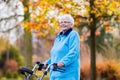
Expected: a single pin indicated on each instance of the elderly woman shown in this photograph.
(66, 51)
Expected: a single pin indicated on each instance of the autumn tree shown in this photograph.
(100, 11)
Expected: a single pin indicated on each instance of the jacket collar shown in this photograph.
(66, 33)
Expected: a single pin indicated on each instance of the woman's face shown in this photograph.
(65, 24)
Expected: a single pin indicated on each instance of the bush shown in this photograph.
(106, 70)
(111, 71)
(14, 54)
(15, 75)
(8, 74)
(11, 65)
(12, 75)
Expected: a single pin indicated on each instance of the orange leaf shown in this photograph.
(106, 23)
(97, 33)
(107, 28)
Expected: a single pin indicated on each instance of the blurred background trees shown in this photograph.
(28, 29)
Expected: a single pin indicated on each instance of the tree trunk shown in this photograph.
(92, 42)
(27, 38)
(8, 51)
(28, 49)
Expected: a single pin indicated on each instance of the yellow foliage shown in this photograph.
(44, 6)
(44, 12)
(25, 9)
(106, 7)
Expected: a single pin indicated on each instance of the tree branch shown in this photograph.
(8, 30)
(10, 17)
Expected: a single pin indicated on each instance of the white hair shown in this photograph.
(66, 16)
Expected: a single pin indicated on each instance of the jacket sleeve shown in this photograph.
(74, 50)
(48, 61)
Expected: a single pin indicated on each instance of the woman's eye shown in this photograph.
(65, 22)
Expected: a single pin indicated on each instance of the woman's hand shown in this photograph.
(45, 66)
(60, 64)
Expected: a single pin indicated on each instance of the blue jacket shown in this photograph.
(66, 49)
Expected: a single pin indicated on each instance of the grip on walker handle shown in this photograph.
(40, 65)
(56, 68)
